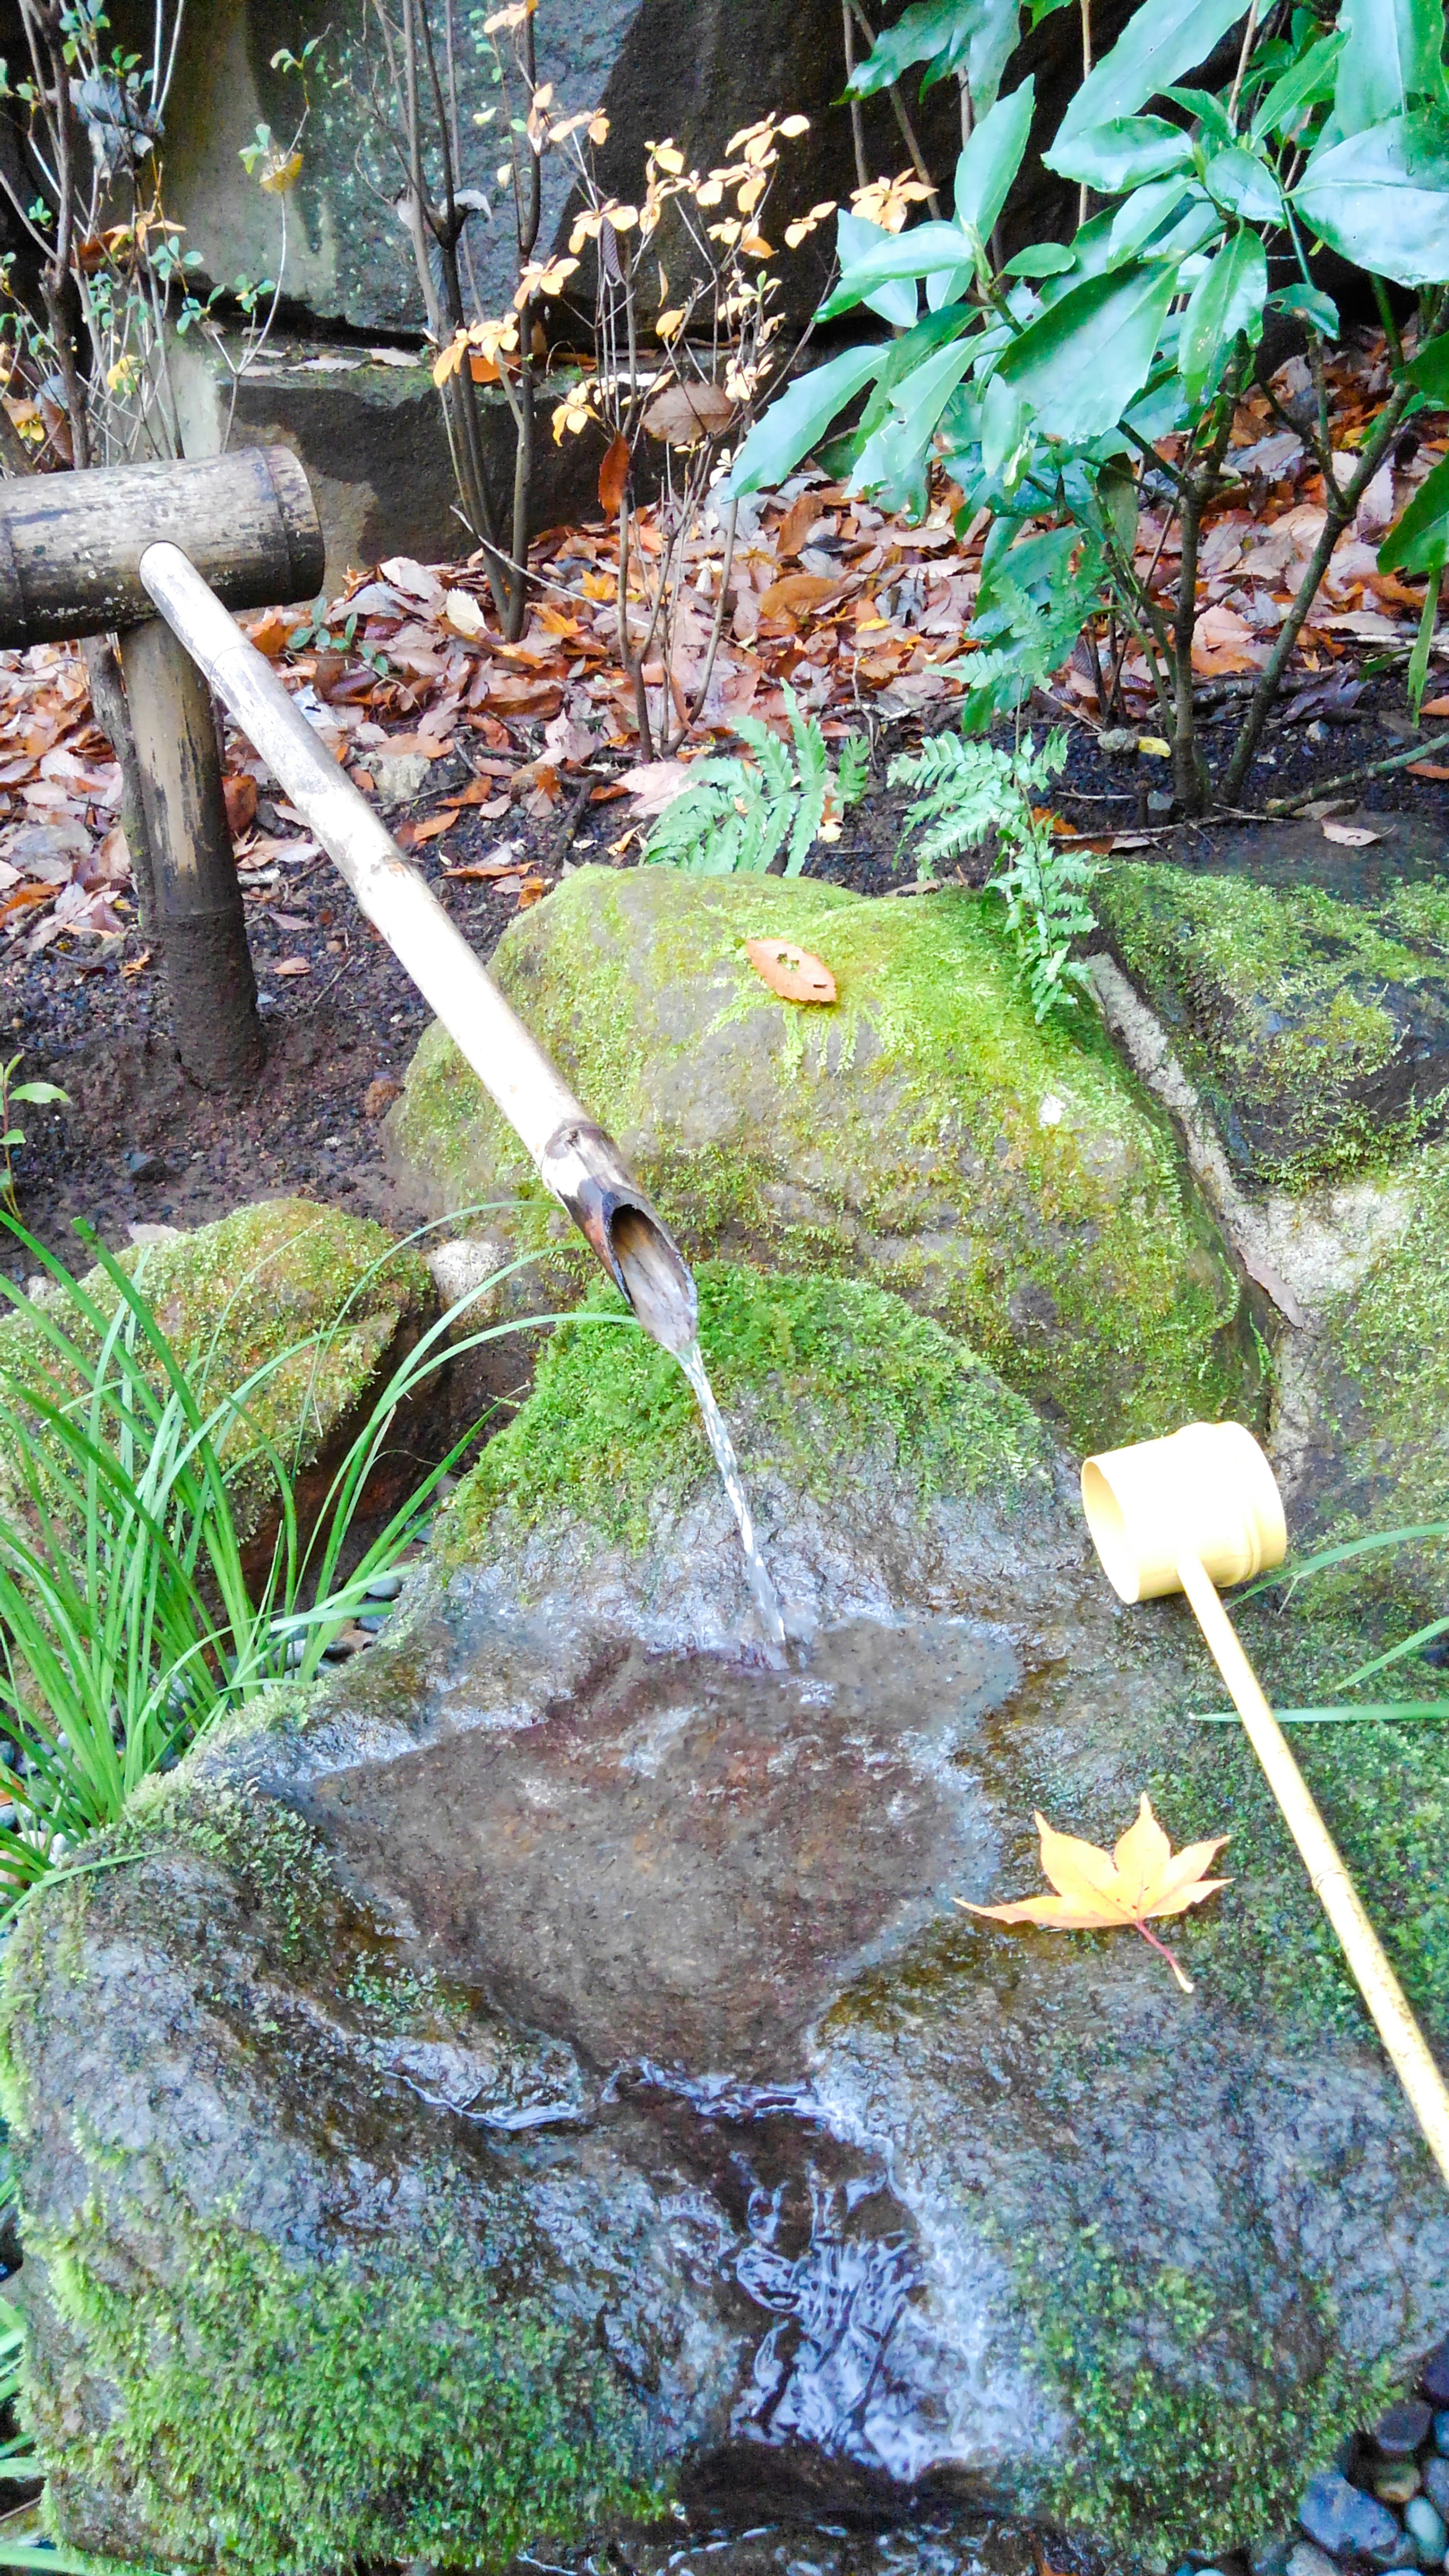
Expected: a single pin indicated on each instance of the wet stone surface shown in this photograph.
(559, 1955)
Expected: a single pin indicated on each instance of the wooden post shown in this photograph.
(197, 915)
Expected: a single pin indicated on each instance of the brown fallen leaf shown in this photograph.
(1352, 836)
(1435, 707)
(796, 593)
(241, 803)
(613, 475)
(803, 514)
(431, 829)
(683, 414)
(1096, 1890)
(137, 965)
(790, 971)
(380, 1094)
(292, 966)
(1427, 769)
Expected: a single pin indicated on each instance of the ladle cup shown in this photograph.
(1183, 1515)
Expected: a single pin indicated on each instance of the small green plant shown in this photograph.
(39, 1094)
(315, 635)
(969, 792)
(128, 1623)
(735, 816)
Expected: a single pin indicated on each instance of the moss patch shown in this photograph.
(297, 1305)
(1317, 1030)
(1180, 2446)
(828, 1367)
(290, 2415)
(1014, 1181)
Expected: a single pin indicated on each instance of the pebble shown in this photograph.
(143, 1166)
(1434, 2377)
(1436, 2484)
(1428, 2531)
(372, 1621)
(1305, 2560)
(1441, 2433)
(1396, 2483)
(1401, 2430)
(384, 1587)
(1340, 2517)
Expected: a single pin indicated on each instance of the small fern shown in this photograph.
(735, 816)
(969, 791)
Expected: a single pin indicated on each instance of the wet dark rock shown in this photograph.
(1434, 2377)
(143, 1166)
(556, 2033)
(1305, 2558)
(1341, 2518)
(1310, 1009)
(1436, 2483)
(1402, 2430)
(1395, 2481)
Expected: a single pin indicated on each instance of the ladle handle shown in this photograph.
(1335, 1890)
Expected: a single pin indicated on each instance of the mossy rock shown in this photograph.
(1316, 1030)
(295, 1308)
(452, 2118)
(1012, 1180)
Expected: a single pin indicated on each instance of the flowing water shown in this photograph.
(766, 1598)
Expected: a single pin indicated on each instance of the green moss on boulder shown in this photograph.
(1316, 1030)
(1011, 1180)
(298, 1305)
(829, 1368)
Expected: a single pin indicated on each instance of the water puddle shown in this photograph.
(766, 1598)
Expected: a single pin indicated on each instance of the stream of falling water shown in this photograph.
(766, 1598)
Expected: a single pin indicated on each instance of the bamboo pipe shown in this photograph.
(1187, 1513)
(573, 1157)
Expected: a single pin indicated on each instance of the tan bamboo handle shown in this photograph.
(1335, 1890)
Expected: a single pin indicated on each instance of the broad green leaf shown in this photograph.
(916, 253)
(1122, 154)
(1419, 541)
(920, 398)
(991, 160)
(977, 36)
(1429, 370)
(924, 30)
(1244, 186)
(1211, 114)
(1042, 259)
(1381, 198)
(1082, 364)
(1003, 423)
(1392, 61)
(804, 412)
(1143, 214)
(1116, 485)
(1164, 40)
(1305, 84)
(901, 357)
(1312, 306)
(1229, 298)
(897, 300)
(948, 286)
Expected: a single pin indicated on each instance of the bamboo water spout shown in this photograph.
(573, 1157)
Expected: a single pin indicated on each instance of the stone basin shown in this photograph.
(539, 2083)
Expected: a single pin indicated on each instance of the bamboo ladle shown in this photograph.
(1184, 1515)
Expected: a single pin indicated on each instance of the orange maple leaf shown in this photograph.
(1140, 1876)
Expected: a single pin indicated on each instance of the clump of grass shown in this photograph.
(130, 1620)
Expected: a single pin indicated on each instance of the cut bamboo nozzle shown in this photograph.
(1183, 1515)
(574, 1158)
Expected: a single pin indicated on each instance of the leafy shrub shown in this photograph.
(969, 792)
(735, 816)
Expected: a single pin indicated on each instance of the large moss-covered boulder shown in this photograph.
(543, 2072)
(924, 1132)
(294, 1308)
(1315, 1028)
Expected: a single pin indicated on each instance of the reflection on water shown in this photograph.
(820, 2375)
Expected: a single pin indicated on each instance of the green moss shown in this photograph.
(1012, 1180)
(283, 2414)
(829, 1368)
(1186, 2438)
(297, 1304)
(1301, 1018)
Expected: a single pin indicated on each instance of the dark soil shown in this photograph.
(141, 1144)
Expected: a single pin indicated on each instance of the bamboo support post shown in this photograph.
(574, 1158)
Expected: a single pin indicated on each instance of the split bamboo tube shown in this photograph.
(1185, 1514)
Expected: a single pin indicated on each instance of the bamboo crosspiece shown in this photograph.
(1184, 1515)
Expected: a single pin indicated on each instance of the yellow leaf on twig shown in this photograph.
(1140, 1876)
